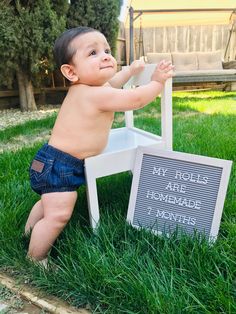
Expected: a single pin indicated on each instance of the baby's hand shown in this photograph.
(136, 67)
(163, 71)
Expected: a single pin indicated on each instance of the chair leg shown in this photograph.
(92, 198)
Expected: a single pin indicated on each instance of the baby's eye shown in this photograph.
(92, 53)
(108, 51)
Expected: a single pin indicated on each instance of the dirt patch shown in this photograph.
(13, 303)
(45, 304)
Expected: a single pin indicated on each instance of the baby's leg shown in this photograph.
(58, 208)
(35, 215)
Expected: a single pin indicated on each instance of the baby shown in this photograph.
(82, 127)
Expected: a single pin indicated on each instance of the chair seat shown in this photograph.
(119, 154)
(123, 139)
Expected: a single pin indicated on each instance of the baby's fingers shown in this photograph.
(169, 68)
(163, 64)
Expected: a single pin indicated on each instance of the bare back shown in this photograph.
(81, 129)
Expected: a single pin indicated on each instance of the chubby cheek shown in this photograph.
(114, 63)
(89, 69)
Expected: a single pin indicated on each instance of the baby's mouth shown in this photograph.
(106, 67)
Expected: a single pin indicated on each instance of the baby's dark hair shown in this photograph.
(63, 51)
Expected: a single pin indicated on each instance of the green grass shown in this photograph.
(30, 127)
(120, 269)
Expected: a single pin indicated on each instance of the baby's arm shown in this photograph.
(112, 99)
(121, 77)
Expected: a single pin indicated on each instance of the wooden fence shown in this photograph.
(183, 39)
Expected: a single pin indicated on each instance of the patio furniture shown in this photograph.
(197, 67)
(119, 155)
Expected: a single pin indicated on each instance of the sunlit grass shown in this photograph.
(119, 269)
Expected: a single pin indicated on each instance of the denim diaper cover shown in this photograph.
(55, 171)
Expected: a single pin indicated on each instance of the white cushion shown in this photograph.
(211, 60)
(156, 57)
(185, 61)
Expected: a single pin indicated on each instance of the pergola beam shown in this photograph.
(184, 10)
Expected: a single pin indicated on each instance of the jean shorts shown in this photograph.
(52, 170)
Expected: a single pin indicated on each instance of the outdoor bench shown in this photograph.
(197, 67)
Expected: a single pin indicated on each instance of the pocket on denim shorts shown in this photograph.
(72, 177)
(39, 171)
(66, 176)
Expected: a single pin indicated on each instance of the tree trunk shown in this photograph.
(26, 92)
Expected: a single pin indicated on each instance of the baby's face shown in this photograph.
(93, 63)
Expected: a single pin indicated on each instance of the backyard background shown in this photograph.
(153, 32)
(118, 269)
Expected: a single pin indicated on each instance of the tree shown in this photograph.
(28, 31)
(101, 15)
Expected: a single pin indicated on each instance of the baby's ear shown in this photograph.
(68, 71)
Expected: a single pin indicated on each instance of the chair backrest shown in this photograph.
(143, 78)
(166, 103)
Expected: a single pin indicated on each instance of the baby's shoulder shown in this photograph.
(84, 94)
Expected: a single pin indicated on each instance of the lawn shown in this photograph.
(120, 269)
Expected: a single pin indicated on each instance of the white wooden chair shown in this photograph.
(119, 155)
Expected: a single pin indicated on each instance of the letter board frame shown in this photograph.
(173, 200)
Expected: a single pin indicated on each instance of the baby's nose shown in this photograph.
(105, 56)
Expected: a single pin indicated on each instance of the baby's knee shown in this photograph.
(60, 219)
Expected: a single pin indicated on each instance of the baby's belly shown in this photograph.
(79, 147)
(91, 151)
